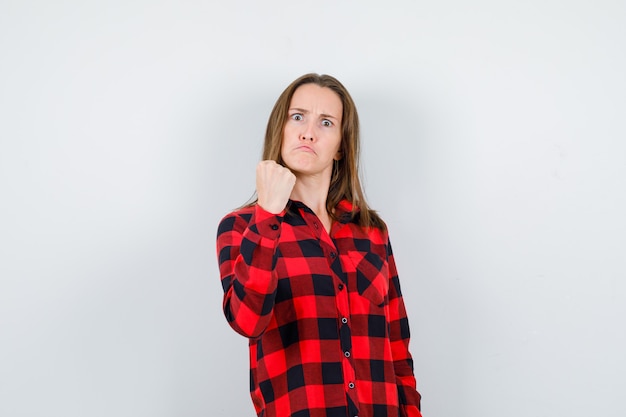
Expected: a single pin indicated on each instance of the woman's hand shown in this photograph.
(274, 184)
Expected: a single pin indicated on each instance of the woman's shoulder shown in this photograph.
(375, 233)
(236, 219)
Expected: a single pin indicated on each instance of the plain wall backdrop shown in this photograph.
(494, 145)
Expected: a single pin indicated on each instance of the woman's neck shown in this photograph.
(313, 192)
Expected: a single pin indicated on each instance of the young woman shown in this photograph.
(308, 271)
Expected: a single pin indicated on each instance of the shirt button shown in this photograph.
(351, 385)
(344, 320)
(316, 226)
(346, 354)
(340, 286)
(333, 254)
(274, 227)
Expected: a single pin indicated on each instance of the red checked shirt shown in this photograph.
(323, 312)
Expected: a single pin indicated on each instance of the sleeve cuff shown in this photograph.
(267, 224)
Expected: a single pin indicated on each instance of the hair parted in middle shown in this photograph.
(345, 182)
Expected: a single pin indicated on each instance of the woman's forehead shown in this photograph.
(316, 99)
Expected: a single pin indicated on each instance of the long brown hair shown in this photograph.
(345, 182)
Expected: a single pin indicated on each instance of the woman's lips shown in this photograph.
(305, 148)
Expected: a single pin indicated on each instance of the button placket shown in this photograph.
(343, 314)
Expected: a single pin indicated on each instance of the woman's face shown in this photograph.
(312, 133)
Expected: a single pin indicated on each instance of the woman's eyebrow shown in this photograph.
(328, 116)
(324, 115)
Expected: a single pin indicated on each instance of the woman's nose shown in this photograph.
(308, 133)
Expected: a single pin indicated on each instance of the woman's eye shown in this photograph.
(296, 116)
(327, 123)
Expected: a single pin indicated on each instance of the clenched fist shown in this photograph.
(274, 184)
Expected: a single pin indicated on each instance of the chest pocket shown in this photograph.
(372, 275)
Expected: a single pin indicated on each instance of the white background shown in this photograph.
(494, 146)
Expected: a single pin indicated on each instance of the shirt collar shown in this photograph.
(343, 210)
(346, 212)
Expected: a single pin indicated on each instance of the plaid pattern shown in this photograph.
(324, 314)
